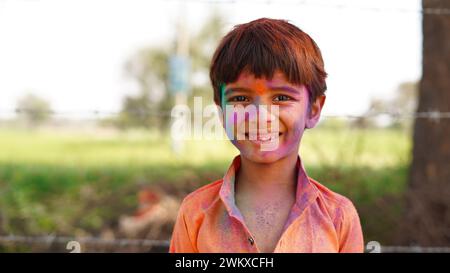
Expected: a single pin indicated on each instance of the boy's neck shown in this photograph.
(279, 176)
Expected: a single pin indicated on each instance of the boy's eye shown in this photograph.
(238, 99)
(282, 98)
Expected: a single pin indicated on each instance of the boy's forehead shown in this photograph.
(249, 80)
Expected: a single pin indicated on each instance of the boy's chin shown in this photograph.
(259, 156)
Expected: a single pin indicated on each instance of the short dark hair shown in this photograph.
(263, 46)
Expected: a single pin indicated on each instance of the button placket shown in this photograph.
(251, 241)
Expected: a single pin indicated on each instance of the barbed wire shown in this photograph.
(433, 115)
(414, 249)
(423, 11)
(87, 241)
(85, 113)
(96, 242)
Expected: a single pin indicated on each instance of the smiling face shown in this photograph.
(257, 128)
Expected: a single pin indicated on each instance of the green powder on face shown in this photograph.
(222, 96)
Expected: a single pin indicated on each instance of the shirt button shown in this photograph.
(250, 239)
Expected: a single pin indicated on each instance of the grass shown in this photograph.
(69, 183)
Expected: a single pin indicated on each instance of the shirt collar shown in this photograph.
(305, 192)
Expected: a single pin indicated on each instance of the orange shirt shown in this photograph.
(319, 221)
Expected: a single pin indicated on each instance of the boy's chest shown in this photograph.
(266, 222)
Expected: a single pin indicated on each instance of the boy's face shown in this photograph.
(281, 129)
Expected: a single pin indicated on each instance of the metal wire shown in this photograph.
(425, 11)
(435, 115)
(88, 241)
(414, 249)
(121, 243)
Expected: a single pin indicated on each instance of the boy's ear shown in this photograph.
(314, 111)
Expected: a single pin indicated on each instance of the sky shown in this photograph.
(73, 52)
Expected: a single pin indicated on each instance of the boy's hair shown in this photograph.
(263, 46)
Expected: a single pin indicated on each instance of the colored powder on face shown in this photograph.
(228, 116)
(222, 96)
(259, 87)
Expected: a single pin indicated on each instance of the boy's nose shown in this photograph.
(264, 114)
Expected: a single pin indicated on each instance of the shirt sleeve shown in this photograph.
(350, 235)
(181, 241)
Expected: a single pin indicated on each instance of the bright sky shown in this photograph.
(72, 52)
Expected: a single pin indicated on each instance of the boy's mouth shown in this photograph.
(262, 137)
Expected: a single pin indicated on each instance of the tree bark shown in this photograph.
(428, 210)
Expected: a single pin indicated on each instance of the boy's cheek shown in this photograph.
(299, 127)
(234, 124)
(295, 132)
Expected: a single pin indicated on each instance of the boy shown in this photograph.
(266, 202)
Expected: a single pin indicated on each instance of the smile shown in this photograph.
(259, 138)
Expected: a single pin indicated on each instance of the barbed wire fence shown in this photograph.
(319, 4)
(93, 245)
(87, 244)
(95, 114)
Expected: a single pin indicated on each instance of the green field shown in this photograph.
(81, 182)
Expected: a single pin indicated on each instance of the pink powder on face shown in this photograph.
(291, 136)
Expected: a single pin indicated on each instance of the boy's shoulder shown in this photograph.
(202, 196)
(333, 200)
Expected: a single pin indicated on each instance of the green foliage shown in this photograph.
(33, 110)
(404, 102)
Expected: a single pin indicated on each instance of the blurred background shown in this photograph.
(87, 88)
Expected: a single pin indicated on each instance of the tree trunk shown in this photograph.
(428, 210)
